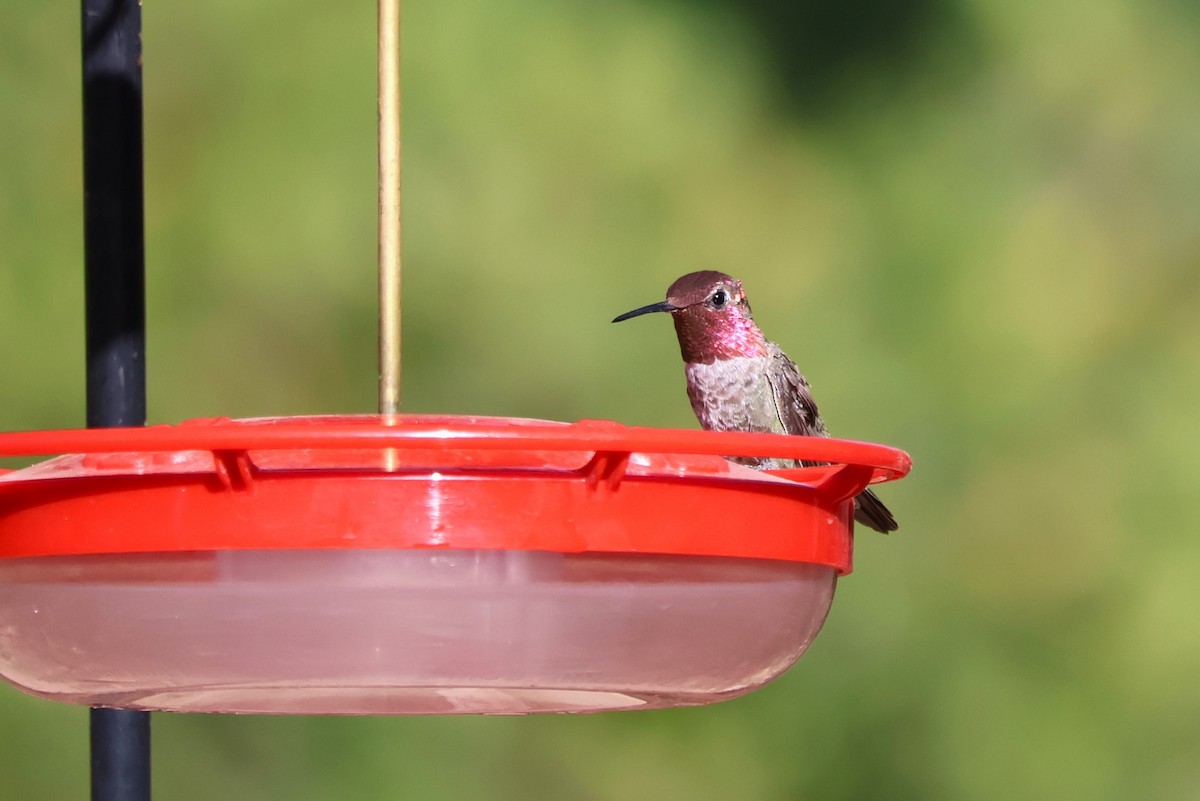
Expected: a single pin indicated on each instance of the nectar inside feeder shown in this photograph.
(416, 564)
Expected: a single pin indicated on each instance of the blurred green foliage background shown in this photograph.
(973, 223)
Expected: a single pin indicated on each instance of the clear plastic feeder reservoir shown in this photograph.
(417, 565)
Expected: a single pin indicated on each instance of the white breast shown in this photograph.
(733, 395)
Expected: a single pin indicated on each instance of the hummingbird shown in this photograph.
(738, 380)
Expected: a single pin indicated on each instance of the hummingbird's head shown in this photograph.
(712, 318)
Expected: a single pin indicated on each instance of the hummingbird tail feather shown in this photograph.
(871, 512)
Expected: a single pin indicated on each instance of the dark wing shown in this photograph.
(794, 404)
(798, 413)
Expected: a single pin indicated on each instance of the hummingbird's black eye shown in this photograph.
(718, 299)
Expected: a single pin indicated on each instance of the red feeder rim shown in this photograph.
(414, 481)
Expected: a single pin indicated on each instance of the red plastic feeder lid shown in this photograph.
(412, 482)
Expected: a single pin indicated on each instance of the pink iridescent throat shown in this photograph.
(706, 336)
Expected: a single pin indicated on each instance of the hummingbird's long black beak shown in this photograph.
(661, 306)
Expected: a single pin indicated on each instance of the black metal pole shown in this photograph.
(114, 288)
(120, 755)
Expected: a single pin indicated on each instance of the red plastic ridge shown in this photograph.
(426, 482)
